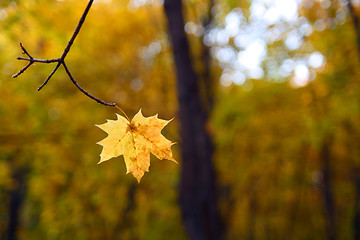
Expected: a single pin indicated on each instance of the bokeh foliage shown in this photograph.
(269, 139)
(49, 137)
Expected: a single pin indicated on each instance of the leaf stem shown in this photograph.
(123, 113)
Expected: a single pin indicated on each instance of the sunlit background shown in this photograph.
(285, 121)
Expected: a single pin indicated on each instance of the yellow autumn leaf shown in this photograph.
(135, 141)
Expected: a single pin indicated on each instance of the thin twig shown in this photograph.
(24, 51)
(83, 91)
(48, 78)
(77, 30)
(22, 70)
(61, 61)
(39, 60)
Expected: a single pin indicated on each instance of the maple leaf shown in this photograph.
(135, 140)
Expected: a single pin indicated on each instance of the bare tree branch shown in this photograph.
(83, 91)
(22, 70)
(48, 78)
(77, 30)
(24, 51)
(61, 60)
(39, 60)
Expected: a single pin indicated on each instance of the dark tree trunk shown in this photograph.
(327, 192)
(356, 181)
(252, 214)
(198, 199)
(356, 219)
(298, 181)
(16, 198)
(207, 80)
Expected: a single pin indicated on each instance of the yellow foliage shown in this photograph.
(135, 140)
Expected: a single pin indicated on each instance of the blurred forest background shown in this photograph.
(284, 118)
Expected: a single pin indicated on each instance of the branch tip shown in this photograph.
(61, 60)
(22, 70)
(24, 51)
